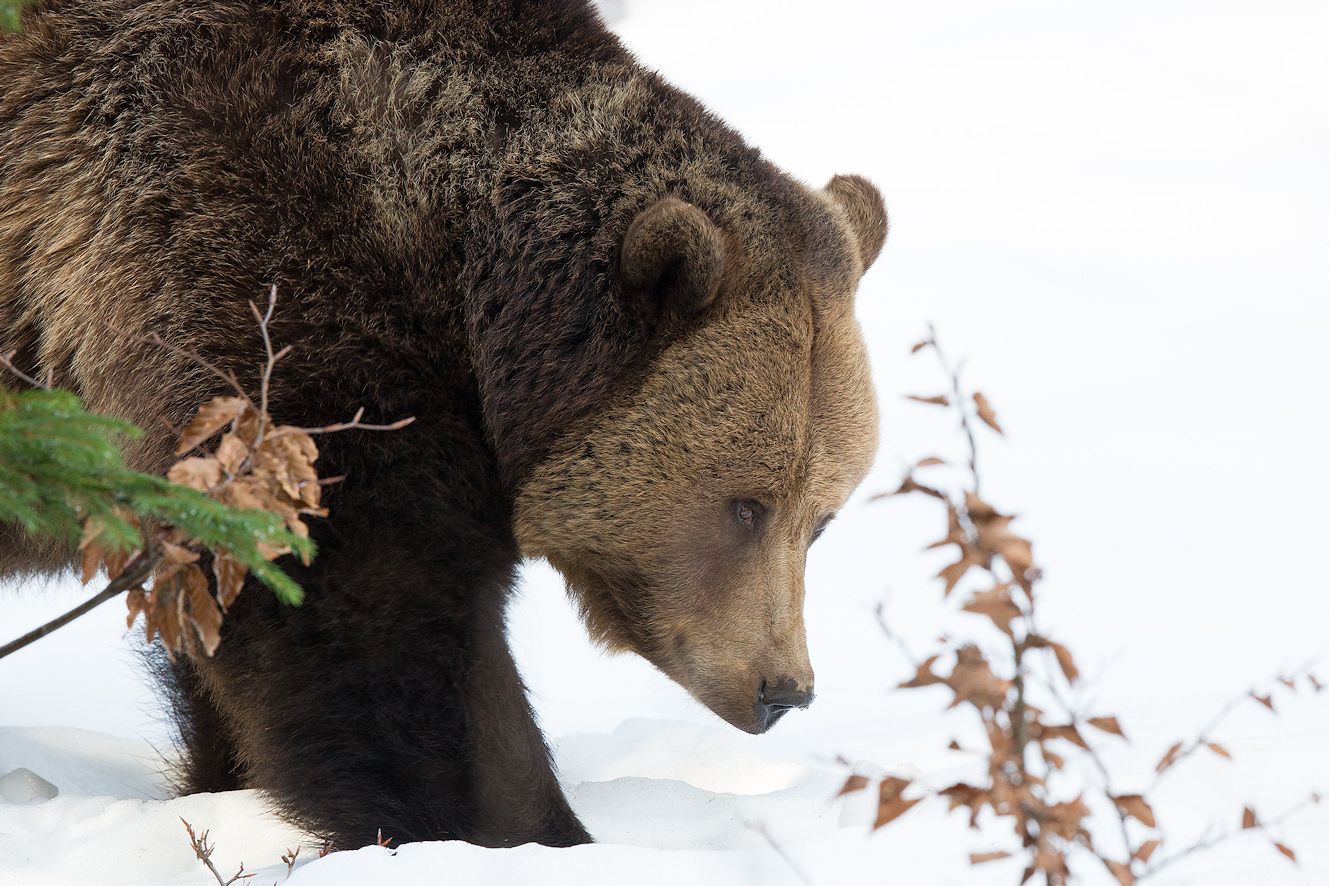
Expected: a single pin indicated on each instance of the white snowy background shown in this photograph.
(1119, 214)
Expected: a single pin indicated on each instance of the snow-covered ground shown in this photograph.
(1120, 214)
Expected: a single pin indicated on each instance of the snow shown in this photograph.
(1118, 216)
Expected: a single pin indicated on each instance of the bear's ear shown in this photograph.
(673, 256)
(866, 211)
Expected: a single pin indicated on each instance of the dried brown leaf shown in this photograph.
(1218, 749)
(923, 675)
(164, 614)
(961, 794)
(909, 485)
(1248, 818)
(995, 537)
(955, 533)
(116, 561)
(196, 473)
(984, 857)
(244, 493)
(1265, 700)
(986, 413)
(1066, 820)
(997, 605)
(930, 462)
(851, 784)
(889, 812)
(90, 561)
(1066, 662)
(287, 459)
(1286, 850)
(891, 788)
(973, 681)
(204, 615)
(230, 575)
(283, 507)
(1168, 758)
(918, 346)
(1050, 861)
(177, 555)
(1066, 732)
(935, 400)
(90, 553)
(1106, 724)
(210, 419)
(1146, 850)
(137, 602)
(1121, 870)
(249, 424)
(1135, 806)
(231, 453)
(952, 573)
(271, 551)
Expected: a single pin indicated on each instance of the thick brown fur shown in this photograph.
(443, 194)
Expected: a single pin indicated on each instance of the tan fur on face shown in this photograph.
(767, 397)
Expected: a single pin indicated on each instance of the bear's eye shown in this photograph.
(821, 527)
(748, 513)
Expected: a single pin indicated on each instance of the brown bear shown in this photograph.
(627, 339)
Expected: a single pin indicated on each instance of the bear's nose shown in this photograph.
(774, 700)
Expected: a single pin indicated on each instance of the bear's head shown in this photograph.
(681, 514)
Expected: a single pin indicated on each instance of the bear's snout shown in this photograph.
(775, 699)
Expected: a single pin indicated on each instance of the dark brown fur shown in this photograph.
(441, 192)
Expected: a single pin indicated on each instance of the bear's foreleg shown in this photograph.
(389, 701)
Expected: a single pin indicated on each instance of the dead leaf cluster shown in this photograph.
(233, 452)
(253, 465)
(1032, 754)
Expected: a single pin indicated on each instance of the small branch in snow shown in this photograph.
(203, 851)
(760, 827)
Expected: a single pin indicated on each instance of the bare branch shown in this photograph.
(880, 612)
(1229, 834)
(1205, 735)
(959, 400)
(353, 425)
(265, 379)
(134, 575)
(289, 858)
(153, 338)
(203, 851)
(802, 875)
(7, 361)
(1017, 781)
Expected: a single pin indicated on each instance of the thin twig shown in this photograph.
(203, 852)
(802, 875)
(1205, 735)
(134, 575)
(1096, 758)
(1226, 835)
(7, 361)
(353, 425)
(880, 611)
(265, 379)
(155, 339)
(289, 858)
(954, 375)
